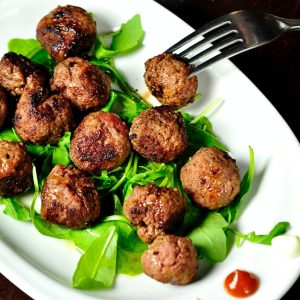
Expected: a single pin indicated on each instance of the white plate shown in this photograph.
(43, 266)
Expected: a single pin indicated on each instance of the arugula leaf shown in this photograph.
(202, 138)
(130, 251)
(122, 83)
(45, 228)
(118, 209)
(129, 37)
(9, 135)
(33, 50)
(231, 211)
(209, 238)
(264, 239)
(61, 152)
(129, 108)
(97, 267)
(16, 209)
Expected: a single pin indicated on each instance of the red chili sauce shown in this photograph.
(241, 284)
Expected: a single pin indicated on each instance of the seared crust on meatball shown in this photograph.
(158, 134)
(70, 198)
(82, 83)
(171, 259)
(66, 31)
(154, 210)
(100, 142)
(167, 78)
(15, 168)
(18, 72)
(40, 119)
(3, 108)
(211, 178)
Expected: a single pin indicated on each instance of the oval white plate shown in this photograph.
(43, 266)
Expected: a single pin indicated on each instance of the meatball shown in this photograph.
(171, 259)
(154, 210)
(66, 31)
(40, 119)
(158, 134)
(3, 108)
(211, 178)
(18, 72)
(82, 83)
(167, 78)
(15, 168)
(100, 142)
(69, 198)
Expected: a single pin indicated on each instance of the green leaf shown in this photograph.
(129, 108)
(9, 135)
(118, 209)
(129, 37)
(209, 238)
(231, 211)
(112, 100)
(202, 138)
(44, 227)
(97, 267)
(33, 50)
(39, 150)
(16, 209)
(61, 152)
(122, 83)
(264, 239)
(130, 251)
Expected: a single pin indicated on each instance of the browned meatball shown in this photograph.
(158, 134)
(82, 83)
(154, 210)
(100, 142)
(211, 178)
(70, 198)
(3, 108)
(168, 80)
(171, 259)
(15, 168)
(18, 72)
(66, 31)
(40, 119)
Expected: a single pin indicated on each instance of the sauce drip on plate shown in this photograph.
(241, 284)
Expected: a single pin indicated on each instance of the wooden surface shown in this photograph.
(274, 69)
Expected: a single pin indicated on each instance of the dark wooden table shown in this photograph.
(274, 69)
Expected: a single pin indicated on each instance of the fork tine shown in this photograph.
(217, 46)
(227, 53)
(200, 31)
(209, 38)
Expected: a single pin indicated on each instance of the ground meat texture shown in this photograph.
(66, 31)
(171, 259)
(82, 83)
(15, 168)
(158, 134)
(100, 142)
(211, 178)
(70, 198)
(18, 72)
(167, 78)
(3, 108)
(40, 119)
(154, 210)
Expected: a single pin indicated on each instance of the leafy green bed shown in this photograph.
(111, 246)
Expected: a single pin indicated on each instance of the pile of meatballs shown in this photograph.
(43, 108)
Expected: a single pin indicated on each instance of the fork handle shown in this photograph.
(292, 24)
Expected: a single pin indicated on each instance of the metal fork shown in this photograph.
(230, 35)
